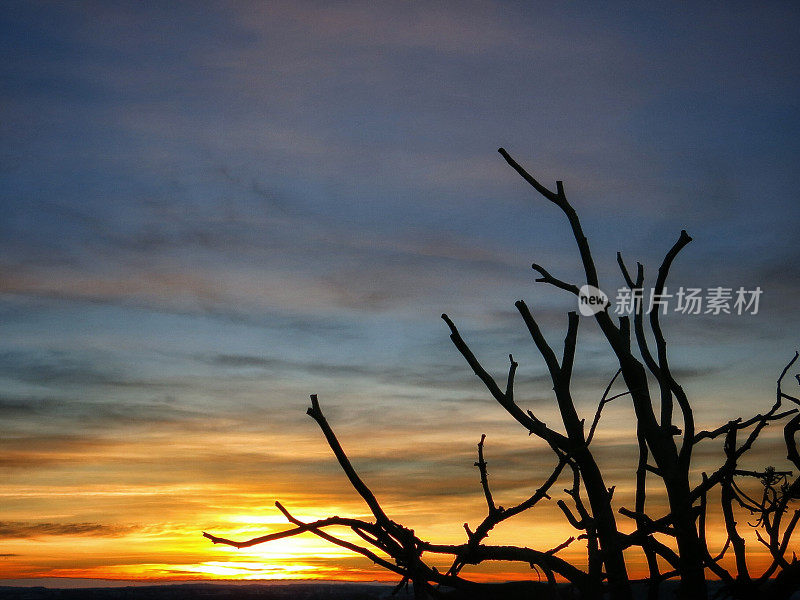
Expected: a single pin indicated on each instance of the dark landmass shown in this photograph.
(211, 591)
(304, 591)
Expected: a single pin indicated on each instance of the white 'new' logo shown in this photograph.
(591, 300)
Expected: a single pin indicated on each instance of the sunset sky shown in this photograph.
(212, 210)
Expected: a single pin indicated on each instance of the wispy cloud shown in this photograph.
(21, 529)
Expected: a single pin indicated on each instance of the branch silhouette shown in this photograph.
(675, 543)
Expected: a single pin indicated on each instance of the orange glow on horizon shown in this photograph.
(304, 557)
(138, 526)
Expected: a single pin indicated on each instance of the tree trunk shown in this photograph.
(690, 554)
(605, 522)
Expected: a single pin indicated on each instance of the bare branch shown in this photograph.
(291, 532)
(559, 199)
(530, 423)
(315, 412)
(739, 424)
(666, 381)
(556, 197)
(343, 543)
(481, 464)
(561, 546)
(603, 401)
(570, 340)
(512, 369)
(512, 554)
(546, 277)
(541, 343)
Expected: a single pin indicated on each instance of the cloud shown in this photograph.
(30, 451)
(442, 376)
(55, 369)
(28, 529)
(239, 274)
(11, 407)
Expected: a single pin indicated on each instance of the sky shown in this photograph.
(211, 210)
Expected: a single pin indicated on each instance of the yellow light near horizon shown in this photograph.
(297, 547)
(302, 545)
(255, 570)
(207, 570)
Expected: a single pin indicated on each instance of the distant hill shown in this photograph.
(210, 591)
(298, 591)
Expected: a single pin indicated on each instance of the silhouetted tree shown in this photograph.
(666, 436)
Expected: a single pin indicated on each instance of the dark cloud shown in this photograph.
(239, 360)
(32, 450)
(63, 371)
(55, 369)
(441, 376)
(28, 529)
(692, 372)
(454, 375)
(17, 407)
